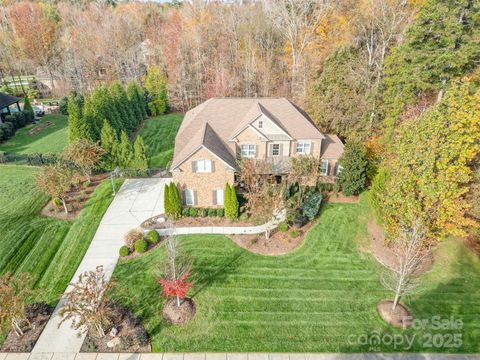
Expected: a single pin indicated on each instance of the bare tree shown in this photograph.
(56, 180)
(297, 20)
(411, 250)
(305, 171)
(14, 294)
(87, 303)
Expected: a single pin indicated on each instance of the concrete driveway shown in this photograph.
(136, 201)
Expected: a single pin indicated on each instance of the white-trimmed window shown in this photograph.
(260, 124)
(338, 169)
(324, 167)
(203, 166)
(189, 197)
(218, 196)
(303, 147)
(275, 149)
(247, 150)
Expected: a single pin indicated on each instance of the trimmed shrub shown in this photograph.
(19, 121)
(152, 237)
(141, 246)
(185, 212)
(212, 213)
(124, 251)
(56, 201)
(300, 220)
(131, 237)
(193, 212)
(64, 105)
(244, 216)
(202, 212)
(311, 206)
(294, 233)
(283, 227)
(220, 212)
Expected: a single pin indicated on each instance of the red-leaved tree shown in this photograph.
(177, 288)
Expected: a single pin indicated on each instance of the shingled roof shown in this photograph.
(332, 147)
(213, 123)
(6, 100)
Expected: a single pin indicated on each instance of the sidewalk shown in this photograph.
(136, 201)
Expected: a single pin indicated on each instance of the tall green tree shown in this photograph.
(441, 45)
(124, 151)
(137, 101)
(155, 83)
(234, 205)
(167, 200)
(121, 103)
(353, 176)
(77, 127)
(140, 159)
(431, 167)
(176, 203)
(227, 201)
(109, 143)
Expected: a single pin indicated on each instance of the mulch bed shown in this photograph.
(76, 200)
(39, 128)
(401, 317)
(38, 315)
(384, 254)
(279, 243)
(151, 247)
(340, 198)
(131, 336)
(152, 223)
(179, 315)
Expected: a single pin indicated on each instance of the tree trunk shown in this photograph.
(16, 327)
(178, 302)
(64, 205)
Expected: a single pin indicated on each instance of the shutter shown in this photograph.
(280, 153)
(195, 197)
(270, 149)
(214, 197)
(212, 165)
(256, 149)
(184, 198)
(311, 147)
(294, 150)
(194, 166)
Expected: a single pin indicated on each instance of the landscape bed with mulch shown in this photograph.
(37, 315)
(279, 243)
(126, 335)
(76, 200)
(158, 222)
(179, 314)
(39, 128)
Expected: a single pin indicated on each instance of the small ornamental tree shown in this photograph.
(167, 201)
(14, 294)
(27, 105)
(352, 179)
(56, 181)
(174, 279)
(87, 304)
(176, 203)
(227, 200)
(234, 205)
(85, 154)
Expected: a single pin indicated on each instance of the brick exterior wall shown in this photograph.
(203, 184)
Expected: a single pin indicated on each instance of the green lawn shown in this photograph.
(315, 299)
(52, 139)
(47, 248)
(159, 135)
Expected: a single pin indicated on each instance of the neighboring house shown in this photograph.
(219, 131)
(6, 102)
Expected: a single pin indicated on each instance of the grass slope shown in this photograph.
(49, 249)
(322, 297)
(159, 135)
(52, 139)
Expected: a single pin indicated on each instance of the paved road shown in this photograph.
(136, 201)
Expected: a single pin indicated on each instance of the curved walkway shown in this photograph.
(269, 226)
(136, 201)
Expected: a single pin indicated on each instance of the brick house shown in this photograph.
(219, 131)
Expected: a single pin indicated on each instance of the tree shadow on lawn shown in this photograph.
(442, 311)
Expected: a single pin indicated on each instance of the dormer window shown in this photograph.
(260, 124)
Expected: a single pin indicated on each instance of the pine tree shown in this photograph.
(109, 143)
(227, 201)
(27, 107)
(234, 205)
(176, 204)
(119, 100)
(124, 151)
(140, 160)
(101, 106)
(353, 177)
(77, 127)
(167, 200)
(135, 98)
